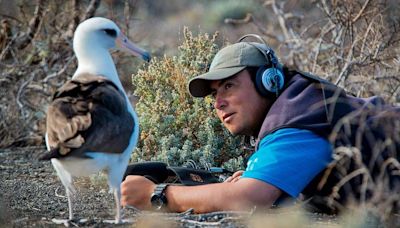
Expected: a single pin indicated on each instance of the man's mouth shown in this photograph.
(227, 117)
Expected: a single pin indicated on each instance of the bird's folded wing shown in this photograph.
(88, 113)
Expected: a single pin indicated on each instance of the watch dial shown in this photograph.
(156, 202)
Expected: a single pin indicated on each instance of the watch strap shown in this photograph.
(160, 188)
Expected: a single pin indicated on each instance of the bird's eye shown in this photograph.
(111, 32)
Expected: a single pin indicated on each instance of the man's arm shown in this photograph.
(240, 195)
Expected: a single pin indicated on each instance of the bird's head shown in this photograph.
(102, 33)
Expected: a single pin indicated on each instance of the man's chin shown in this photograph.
(234, 132)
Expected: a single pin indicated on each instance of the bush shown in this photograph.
(176, 127)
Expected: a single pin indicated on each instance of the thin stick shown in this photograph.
(61, 71)
(58, 195)
(91, 9)
(20, 93)
(361, 11)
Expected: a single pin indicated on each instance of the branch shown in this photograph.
(91, 9)
(11, 17)
(75, 19)
(361, 11)
(61, 71)
(129, 7)
(361, 171)
(20, 93)
(33, 26)
(6, 38)
(318, 46)
(249, 18)
(281, 18)
(349, 63)
(4, 52)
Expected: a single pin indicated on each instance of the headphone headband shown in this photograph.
(254, 36)
(268, 51)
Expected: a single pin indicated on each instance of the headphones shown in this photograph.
(269, 78)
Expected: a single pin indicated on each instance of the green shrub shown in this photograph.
(176, 127)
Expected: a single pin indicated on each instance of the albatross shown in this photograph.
(91, 125)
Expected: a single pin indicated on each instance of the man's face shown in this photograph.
(239, 106)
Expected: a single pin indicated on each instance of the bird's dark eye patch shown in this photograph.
(111, 32)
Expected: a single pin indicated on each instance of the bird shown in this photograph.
(90, 124)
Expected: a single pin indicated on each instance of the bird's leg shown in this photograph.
(70, 221)
(117, 197)
(67, 181)
(70, 203)
(115, 175)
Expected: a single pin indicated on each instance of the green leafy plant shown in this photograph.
(176, 127)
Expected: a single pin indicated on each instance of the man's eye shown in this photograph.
(228, 85)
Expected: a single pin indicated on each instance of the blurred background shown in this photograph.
(354, 44)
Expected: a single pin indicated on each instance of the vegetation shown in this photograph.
(168, 114)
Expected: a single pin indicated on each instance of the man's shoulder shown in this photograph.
(287, 135)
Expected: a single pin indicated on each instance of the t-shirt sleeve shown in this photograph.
(289, 159)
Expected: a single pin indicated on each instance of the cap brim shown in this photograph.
(200, 86)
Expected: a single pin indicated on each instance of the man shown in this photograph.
(291, 115)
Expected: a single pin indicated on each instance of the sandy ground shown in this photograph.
(32, 196)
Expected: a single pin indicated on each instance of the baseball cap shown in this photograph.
(227, 62)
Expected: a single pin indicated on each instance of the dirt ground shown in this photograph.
(32, 195)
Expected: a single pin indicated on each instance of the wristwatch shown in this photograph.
(158, 199)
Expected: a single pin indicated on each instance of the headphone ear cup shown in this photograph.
(272, 80)
(259, 81)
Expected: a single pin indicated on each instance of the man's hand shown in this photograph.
(235, 177)
(136, 191)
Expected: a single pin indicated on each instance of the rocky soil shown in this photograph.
(33, 196)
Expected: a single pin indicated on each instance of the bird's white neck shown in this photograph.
(97, 61)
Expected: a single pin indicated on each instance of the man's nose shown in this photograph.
(219, 103)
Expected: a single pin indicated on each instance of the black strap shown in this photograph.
(189, 176)
(155, 171)
(159, 172)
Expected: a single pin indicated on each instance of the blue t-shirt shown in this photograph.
(289, 159)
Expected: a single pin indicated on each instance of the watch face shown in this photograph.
(156, 202)
(158, 199)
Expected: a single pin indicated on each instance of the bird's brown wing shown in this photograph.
(88, 113)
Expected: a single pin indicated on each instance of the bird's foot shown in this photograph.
(118, 221)
(69, 222)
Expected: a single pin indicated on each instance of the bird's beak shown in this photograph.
(123, 43)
